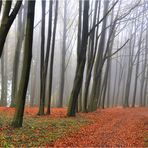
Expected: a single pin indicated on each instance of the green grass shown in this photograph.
(36, 131)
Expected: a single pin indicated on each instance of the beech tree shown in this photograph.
(22, 15)
(63, 54)
(80, 63)
(7, 20)
(42, 86)
(21, 94)
(52, 58)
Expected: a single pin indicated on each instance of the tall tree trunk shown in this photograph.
(62, 72)
(137, 65)
(42, 86)
(45, 65)
(95, 93)
(143, 88)
(20, 38)
(52, 58)
(91, 55)
(80, 64)
(21, 95)
(146, 69)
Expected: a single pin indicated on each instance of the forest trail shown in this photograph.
(111, 127)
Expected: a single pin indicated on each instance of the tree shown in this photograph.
(62, 72)
(21, 94)
(46, 61)
(91, 54)
(3, 101)
(137, 67)
(20, 38)
(42, 87)
(52, 58)
(7, 20)
(95, 93)
(80, 63)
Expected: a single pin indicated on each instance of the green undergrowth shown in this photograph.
(37, 131)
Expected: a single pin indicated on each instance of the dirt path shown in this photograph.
(111, 127)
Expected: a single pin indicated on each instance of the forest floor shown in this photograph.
(116, 127)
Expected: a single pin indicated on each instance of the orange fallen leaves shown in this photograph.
(116, 127)
(110, 128)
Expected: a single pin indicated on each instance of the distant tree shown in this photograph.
(22, 15)
(63, 53)
(145, 70)
(130, 65)
(3, 101)
(21, 95)
(126, 104)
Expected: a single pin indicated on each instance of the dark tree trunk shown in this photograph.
(52, 58)
(80, 64)
(91, 55)
(95, 93)
(21, 95)
(45, 65)
(42, 86)
(7, 20)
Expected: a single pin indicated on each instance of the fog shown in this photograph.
(131, 29)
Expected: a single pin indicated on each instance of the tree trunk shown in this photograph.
(42, 86)
(21, 95)
(95, 93)
(7, 20)
(137, 65)
(80, 64)
(20, 38)
(52, 58)
(62, 73)
(91, 55)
